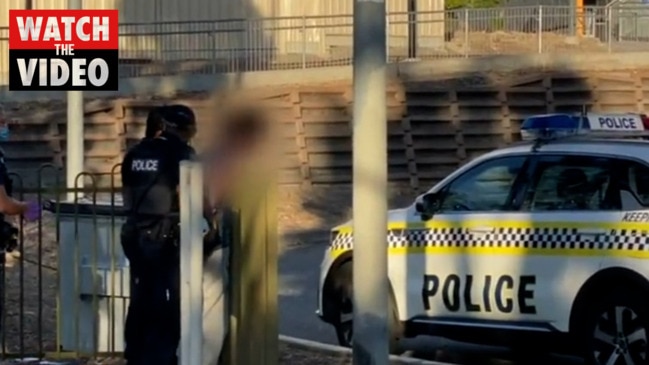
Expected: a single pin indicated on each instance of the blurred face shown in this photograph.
(241, 145)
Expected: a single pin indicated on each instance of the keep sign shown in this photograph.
(615, 122)
(63, 50)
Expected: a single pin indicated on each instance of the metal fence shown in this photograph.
(236, 45)
(64, 290)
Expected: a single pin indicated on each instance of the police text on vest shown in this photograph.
(144, 165)
(63, 50)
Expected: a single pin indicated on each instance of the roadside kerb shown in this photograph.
(331, 349)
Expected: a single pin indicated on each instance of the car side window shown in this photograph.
(572, 183)
(486, 187)
(638, 182)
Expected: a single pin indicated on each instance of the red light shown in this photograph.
(645, 121)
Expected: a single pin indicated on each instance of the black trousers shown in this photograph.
(152, 328)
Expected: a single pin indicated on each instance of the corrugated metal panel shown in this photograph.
(5, 5)
(138, 41)
(138, 11)
(102, 4)
(186, 10)
(49, 4)
(203, 37)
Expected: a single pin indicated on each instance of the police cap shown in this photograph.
(179, 117)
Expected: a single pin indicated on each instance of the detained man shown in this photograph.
(241, 133)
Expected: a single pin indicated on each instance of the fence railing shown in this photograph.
(64, 289)
(236, 45)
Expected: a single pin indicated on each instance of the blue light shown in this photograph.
(552, 121)
(552, 126)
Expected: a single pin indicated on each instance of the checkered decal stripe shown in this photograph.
(342, 241)
(533, 238)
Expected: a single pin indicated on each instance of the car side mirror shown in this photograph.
(429, 204)
(432, 202)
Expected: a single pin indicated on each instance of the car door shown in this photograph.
(572, 205)
(461, 279)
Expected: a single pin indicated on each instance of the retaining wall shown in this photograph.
(434, 127)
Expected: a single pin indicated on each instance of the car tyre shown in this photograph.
(344, 324)
(614, 329)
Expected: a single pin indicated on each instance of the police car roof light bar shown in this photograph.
(548, 127)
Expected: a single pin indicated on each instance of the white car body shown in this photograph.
(519, 270)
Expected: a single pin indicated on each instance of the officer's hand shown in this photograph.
(33, 211)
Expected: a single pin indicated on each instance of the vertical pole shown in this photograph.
(191, 263)
(387, 39)
(195, 263)
(466, 33)
(540, 30)
(580, 17)
(619, 24)
(304, 38)
(572, 18)
(271, 244)
(370, 184)
(185, 236)
(412, 29)
(609, 28)
(75, 151)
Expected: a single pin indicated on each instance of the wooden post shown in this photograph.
(253, 336)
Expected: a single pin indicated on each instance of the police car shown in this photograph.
(543, 244)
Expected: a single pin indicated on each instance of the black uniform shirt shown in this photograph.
(150, 176)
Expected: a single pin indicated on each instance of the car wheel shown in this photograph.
(344, 325)
(615, 329)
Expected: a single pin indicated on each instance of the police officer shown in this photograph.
(150, 177)
(31, 211)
